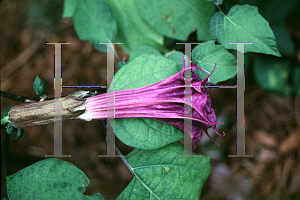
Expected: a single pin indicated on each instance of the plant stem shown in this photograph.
(117, 149)
(3, 160)
(16, 97)
(219, 7)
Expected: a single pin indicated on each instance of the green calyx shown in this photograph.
(4, 120)
(15, 133)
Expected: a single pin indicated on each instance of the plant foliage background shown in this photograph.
(271, 99)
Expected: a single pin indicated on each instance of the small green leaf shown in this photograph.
(122, 62)
(39, 87)
(69, 8)
(273, 74)
(49, 179)
(133, 31)
(159, 174)
(15, 133)
(95, 22)
(5, 120)
(143, 49)
(207, 54)
(243, 23)
(177, 19)
(145, 133)
(177, 56)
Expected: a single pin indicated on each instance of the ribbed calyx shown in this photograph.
(43, 112)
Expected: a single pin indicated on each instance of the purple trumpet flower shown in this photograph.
(162, 101)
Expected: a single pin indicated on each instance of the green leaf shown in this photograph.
(49, 179)
(206, 54)
(69, 8)
(39, 87)
(177, 19)
(143, 49)
(243, 23)
(15, 133)
(177, 56)
(158, 174)
(282, 8)
(145, 133)
(122, 62)
(273, 74)
(133, 31)
(95, 22)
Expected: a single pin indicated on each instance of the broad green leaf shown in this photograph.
(49, 179)
(145, 133)
(143, 49)
(69, 8)
(243, 23)
(133, 31)
(177, 56)
(206, 54)
(95, 22)
(273, 74)
(282, 8)
(177, 19)
(159, 174)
